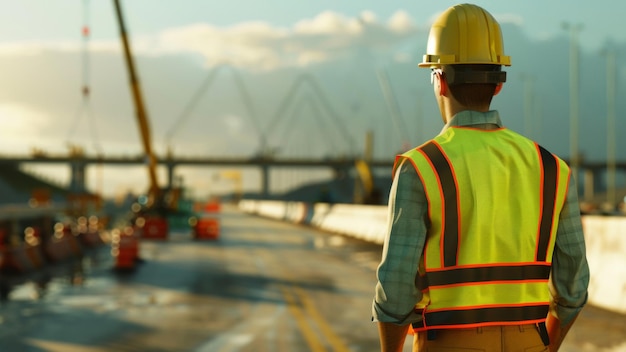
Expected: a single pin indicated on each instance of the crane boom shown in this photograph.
(141, 114)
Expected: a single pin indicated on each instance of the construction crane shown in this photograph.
(365, 191)
(158, 203)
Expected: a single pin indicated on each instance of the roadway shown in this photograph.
(262, 286)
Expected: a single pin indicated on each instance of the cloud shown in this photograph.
(260, 46)
(328, 23)
(34, 48)
(401, 22)
(18, 121)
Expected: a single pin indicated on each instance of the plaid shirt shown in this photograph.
(397, 291)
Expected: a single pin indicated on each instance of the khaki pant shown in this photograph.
(514, 338)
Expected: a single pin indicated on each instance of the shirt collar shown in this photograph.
(471, 117)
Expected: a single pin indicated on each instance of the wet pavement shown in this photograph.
(262, 286)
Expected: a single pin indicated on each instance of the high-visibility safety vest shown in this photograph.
(494, 199)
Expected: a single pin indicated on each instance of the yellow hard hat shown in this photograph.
(465, 34)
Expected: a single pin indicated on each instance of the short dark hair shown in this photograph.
(471, 94)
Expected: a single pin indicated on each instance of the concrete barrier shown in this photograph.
(605, 238)
(366, 222)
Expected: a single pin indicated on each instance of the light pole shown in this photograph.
(611, 85)
(574, 90)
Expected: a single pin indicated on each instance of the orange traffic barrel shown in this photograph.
(15, 260)
(212, 206)
(89, 232)
(154, 227)
(32, 239)
(63, 244)
(3, 238)
(207, 228)
(124, 249)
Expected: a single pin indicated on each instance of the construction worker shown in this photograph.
(485, 249)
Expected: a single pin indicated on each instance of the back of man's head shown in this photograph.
(471, 85)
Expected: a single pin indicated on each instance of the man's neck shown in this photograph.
(453, 107)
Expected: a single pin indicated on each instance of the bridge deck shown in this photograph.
(262, 286)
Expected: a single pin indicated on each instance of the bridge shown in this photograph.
(340, 165)
(78, 164)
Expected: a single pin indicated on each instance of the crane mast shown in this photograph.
(141, 114)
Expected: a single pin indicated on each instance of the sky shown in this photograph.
(177, 42)
(49, 21)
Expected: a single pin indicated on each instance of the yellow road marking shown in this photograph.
(311, 311)
(307, 332)
(334, 340)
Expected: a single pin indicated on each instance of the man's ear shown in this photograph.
(443, 85)
(498, 89)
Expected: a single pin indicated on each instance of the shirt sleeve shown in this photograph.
(397, 290)
(570, 272)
